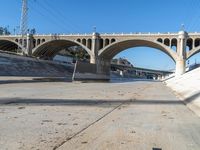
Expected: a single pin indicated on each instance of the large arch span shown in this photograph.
(113, 49)
(193, 52)
(51, 48)
(8, 45)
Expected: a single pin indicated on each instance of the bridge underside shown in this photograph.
(114, 49)
(50, 49)
(8, 46)
(106, 54)
(193, 52)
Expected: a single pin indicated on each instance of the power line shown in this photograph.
(67, 19)
(51, 20)
(51, 13)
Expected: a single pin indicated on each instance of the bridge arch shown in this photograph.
(9, 45)
(113, 49)
(192, 52)
(51, 48)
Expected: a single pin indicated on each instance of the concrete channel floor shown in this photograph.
(139, 115)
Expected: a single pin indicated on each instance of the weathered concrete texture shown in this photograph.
(187, 87)
(155, 119)
(13, 65)
(42, 127)
(135, 115)
(85, 71)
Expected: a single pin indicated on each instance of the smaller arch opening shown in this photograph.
(78, 40)
(20, 41)
(38, 41)
(43, 40)
(16, 40)
(25, 42)
(101, 43)
(34, 43)
(189, 44)
(167, 42)
(160, 40)
(107, 42)
(197, 42)
(89, 43)
(113, 40)
(84, 42)
(174, 44)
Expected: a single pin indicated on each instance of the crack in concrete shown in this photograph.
(79, 132)
(82, 130)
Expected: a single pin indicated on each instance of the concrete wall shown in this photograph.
(87, 71)
(187, 87)
(13, 65)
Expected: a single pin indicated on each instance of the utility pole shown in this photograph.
(24, 25)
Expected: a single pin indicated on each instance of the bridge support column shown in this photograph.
(180, 67)
(181, 51)
(103, 67)
(92, 59)
(95, 48)
(29, 45)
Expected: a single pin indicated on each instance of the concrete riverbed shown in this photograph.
(137, 115)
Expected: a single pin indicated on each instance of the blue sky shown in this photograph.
(79, 16)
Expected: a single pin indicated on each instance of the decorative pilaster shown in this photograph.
(95, 48)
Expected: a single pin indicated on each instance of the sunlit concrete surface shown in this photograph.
(121, 115)
(187, 87)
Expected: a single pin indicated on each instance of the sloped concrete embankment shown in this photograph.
(13, 65)
(187, 87)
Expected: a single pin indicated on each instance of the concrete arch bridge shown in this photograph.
(103, 47)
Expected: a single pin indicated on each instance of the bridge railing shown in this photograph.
(109, 34)
(106, 34)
